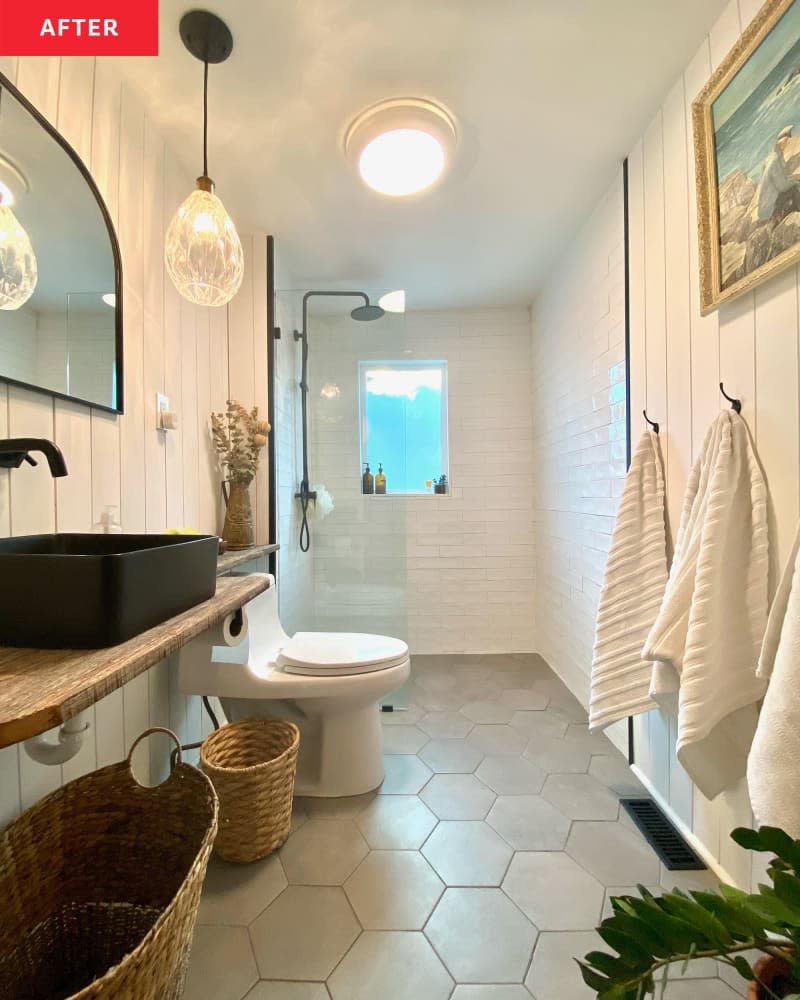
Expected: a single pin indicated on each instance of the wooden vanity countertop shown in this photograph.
(42, 688)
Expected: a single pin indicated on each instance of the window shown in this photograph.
(403, 412)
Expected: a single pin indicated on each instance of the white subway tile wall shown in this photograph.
(295, 568)
(579, 437)
(156, 480)
(449, 573)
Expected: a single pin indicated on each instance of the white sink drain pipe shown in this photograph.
(68, 742)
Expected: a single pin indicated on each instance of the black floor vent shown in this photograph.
(662, 836)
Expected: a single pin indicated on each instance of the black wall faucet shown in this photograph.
(15, 451)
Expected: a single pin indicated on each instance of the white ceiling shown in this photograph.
(549, 95)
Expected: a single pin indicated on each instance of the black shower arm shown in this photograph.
(302, 335)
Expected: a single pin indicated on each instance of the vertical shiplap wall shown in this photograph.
(578, 402)
(155, 480)
(678, 359)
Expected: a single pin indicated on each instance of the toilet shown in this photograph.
(329, 684)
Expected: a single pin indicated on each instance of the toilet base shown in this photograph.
(341, 750)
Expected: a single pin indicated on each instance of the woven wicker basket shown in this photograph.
(99, 886)
(252, 766)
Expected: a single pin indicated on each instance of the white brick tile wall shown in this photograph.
(578, 401)
(451, 574)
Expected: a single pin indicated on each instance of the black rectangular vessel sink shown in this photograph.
(84, 591)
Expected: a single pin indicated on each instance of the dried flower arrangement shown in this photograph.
(239, 437)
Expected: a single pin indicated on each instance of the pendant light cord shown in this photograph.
(205, 118)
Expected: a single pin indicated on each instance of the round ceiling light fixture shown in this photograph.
(401, 146)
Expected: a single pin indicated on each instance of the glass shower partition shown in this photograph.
(354, 576)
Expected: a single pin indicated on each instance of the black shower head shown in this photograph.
(367, 313)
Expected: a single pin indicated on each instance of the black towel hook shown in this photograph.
(652, 423)
(736, 404)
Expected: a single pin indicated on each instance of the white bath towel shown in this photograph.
(773, 775)
(711, 623)
(633, 586)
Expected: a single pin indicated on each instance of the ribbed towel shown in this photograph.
(711, 622)
(633, 587)
(773, 775)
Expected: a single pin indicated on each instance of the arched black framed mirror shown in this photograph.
(60, 265)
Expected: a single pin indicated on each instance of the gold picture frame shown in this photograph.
(744, 194)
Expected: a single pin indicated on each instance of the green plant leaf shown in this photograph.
(743, 967)
(593, 979)
(769, 839)
(615, 968)
(694, 913)
(641, 931)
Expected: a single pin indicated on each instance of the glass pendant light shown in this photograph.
(18, 271)
(203, 252)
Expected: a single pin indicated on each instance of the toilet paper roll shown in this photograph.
(232, 631)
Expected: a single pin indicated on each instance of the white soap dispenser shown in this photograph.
(108, 523)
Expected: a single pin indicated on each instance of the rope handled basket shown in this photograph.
(100, 883)
(252, 766)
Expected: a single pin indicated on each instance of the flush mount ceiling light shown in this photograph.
(110, 299)
(203, 252)
(401, 146)
(393, 302)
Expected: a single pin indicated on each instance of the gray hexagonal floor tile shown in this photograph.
(346, 807)
(467, 853)
(404, 774)
(557, 756)
(580, 796)
(397, 964)
(485, 711)
(457, 796)
(449, 725)
(494, 992)
(403, 739)
(524, 699)
(529, 823)
(304, 933)
(575, 906)
(540, 722)
(554, 972)
(613, 853)
(221, 965)
(323, 852)
(613, 772)
(481, 936)
(393, 891)
(236, 894)
(451, 756)
(511, 775)
(273, 990)
(497, 740)
(396, 822)
(596, 742)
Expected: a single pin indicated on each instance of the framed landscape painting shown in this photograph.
(746, 124)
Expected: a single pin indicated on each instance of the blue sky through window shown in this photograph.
(404, 422)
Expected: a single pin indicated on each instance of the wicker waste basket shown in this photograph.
(252, 766)
(99, 886)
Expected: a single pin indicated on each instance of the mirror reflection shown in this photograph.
(59, 314)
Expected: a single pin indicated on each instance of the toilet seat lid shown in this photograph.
(340, 653)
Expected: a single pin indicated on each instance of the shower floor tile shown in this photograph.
(495, 797)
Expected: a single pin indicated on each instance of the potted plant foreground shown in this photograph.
(651, 935)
